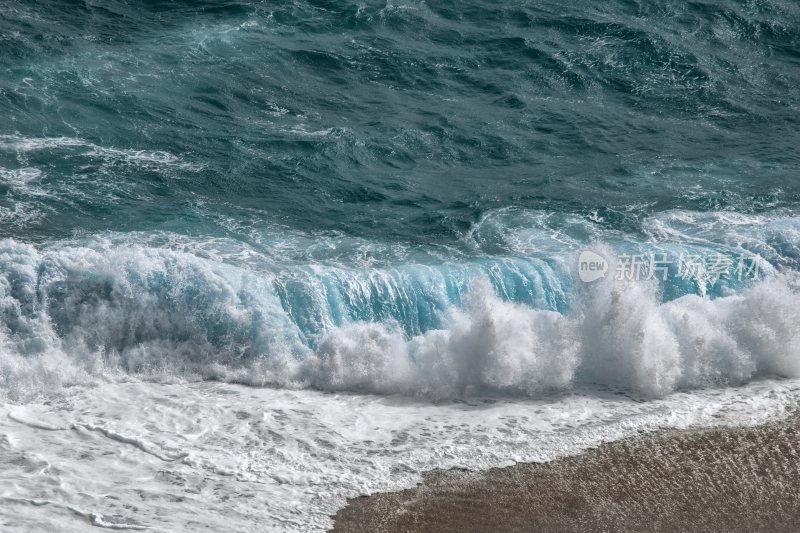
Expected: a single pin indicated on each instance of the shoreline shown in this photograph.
(718, 479)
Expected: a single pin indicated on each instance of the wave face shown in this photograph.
(72, 314)
(392, 197)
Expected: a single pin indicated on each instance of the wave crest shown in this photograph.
(75, 315)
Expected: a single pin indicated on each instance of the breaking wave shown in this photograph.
(82, 313)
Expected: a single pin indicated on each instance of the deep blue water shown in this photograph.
(210, 173)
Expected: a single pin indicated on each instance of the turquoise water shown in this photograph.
(216, 185)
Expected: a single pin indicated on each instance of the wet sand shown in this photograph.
(726, 479)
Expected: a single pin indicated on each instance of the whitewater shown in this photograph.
(177, 457)
(153, 388)
(78, 314)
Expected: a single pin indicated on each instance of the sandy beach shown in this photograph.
(725, 479)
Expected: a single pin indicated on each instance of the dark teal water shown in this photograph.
(242, 177)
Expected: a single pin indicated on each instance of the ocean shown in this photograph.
(260, 257)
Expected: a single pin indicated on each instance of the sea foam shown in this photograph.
(77, 314)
